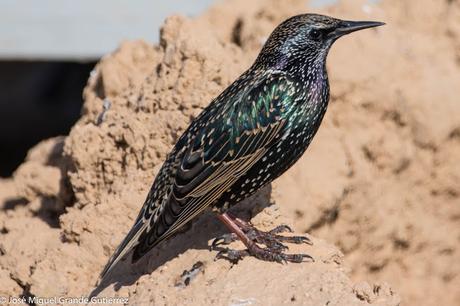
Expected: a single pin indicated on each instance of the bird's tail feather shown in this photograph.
(130, 241)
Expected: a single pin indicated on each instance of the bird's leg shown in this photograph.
(251, 236)
(270, 238)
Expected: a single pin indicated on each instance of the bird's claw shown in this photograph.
(268, 254)
(223, 240)
(231, 255)
(272, 240)
(281, 229)
(295, 239)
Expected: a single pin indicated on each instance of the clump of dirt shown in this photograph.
(380, 180)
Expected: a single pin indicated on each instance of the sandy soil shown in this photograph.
(381, 180)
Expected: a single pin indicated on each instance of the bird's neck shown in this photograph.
(312, 75)
(315, 85)
(311, 70)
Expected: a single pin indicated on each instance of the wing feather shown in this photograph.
(220, 146)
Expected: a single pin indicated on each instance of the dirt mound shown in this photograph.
(380, 180)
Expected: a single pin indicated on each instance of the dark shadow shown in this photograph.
(64, 163)
(205, 228)
(236, 32)
(51, 207)
(46, 212)
(11, 204)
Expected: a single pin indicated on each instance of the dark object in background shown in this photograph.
(38, 100)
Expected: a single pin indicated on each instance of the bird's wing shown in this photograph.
(226, 140)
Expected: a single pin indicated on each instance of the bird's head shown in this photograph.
(306, 38)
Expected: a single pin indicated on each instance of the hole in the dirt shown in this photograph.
(158, 68)
(99, 88)
(394, 116)
(236, 33)
(329, 217)
(368, 154)
(401, 244)
(374, 268)
(299, 214)
(455, 134)
(121, 144)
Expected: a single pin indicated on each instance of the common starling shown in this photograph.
(248, 136)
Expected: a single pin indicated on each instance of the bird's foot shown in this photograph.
(251, 237)
(271, 238)
(266, 254)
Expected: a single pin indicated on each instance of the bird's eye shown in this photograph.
(315, 34)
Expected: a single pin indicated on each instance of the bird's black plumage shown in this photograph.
(248, 136)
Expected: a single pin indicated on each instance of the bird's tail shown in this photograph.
(129, 243)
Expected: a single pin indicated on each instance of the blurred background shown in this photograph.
(47, 50)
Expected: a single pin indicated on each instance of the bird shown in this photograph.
(249, 135)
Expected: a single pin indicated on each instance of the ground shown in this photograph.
(380, 181)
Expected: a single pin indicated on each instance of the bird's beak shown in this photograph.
(346, 27)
